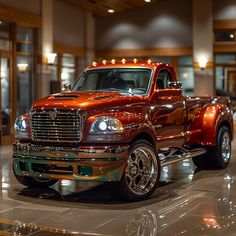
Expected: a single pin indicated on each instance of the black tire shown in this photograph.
(34, 182)
(219, 156)
(128, 187)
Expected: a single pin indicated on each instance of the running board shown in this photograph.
(186, 155)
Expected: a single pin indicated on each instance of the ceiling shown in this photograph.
(100, 7)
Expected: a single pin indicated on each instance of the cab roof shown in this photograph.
(134, 64)
(129, 64)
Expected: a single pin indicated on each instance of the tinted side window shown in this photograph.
(163, 79)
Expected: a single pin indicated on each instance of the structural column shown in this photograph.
(90, 38)
(204, 82)
(47, 45)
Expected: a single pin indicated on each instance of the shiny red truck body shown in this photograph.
(161, 116)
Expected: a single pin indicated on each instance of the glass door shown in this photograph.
(5, 99)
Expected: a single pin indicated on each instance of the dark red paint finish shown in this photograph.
(165, 115)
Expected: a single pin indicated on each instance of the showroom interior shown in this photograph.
(45, 44)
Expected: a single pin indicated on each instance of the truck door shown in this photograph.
(168, 112)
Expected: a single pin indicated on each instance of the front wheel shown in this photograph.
(34, 182)
(218, 156)
(141, 174)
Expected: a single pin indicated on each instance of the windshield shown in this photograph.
(132, 81)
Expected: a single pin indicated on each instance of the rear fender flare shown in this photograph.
(214, 116)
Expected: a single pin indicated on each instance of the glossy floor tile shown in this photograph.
(187, 202)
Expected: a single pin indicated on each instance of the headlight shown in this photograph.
(106, 124)
(106, 128)
(22, 127)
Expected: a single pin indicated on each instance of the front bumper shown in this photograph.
(85, 163)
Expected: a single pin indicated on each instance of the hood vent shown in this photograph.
(66, 97)
(103, 97)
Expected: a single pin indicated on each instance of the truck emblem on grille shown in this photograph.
(52, 114)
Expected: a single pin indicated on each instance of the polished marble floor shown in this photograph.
(187, 202)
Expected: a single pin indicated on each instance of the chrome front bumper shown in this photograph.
(85, 163)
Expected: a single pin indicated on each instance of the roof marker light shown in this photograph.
(123, 61)
(135, 60)
(104, 62)
(149, 61)
(94, 63)
(113, 61)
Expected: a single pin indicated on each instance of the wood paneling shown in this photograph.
(224, 24)
(100, 7)
(63, 48)
(150, 52)
(228, 47)
(20, 17)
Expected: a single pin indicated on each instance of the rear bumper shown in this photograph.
(85, 163)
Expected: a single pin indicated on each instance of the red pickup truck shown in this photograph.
(120, 124)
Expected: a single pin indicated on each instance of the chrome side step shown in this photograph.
(175, 158)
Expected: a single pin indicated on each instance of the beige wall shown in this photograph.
(224, 9)
(202, 46)
(69, 24)
(32, 6)
(161, 24)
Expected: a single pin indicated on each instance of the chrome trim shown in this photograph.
(65, 126)
(141, 172)
(175, 158)
(107, 162)
(101, 151)
(226, 147)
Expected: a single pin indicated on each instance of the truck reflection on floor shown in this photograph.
(18, 228)
(212, 215)
(5, 123)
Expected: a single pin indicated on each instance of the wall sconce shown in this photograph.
(50, 58)
(22, 67)
(202, 62)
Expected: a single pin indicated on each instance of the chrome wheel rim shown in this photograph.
(142, 170)
(226, 147)
(41, 180)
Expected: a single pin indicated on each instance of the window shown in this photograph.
(5, 42)
(185, 74)
(68, 69)
(224, 63)
(225, 58)
(224, 36)
(163, 79)
(64, 71)
(163, 59)
(25, 69)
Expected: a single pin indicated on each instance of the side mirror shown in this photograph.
(66, 87)
(175, 85)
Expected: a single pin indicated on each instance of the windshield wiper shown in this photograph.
(119, 90)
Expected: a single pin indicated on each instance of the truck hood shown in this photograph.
(87, 100)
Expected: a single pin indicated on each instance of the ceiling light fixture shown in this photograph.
(231, 36)
(110, 10)
(147, 0)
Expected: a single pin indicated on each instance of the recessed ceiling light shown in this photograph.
(231, 36)
(110, 10)
(147, 0)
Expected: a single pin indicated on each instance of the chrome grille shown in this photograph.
(57, 125)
